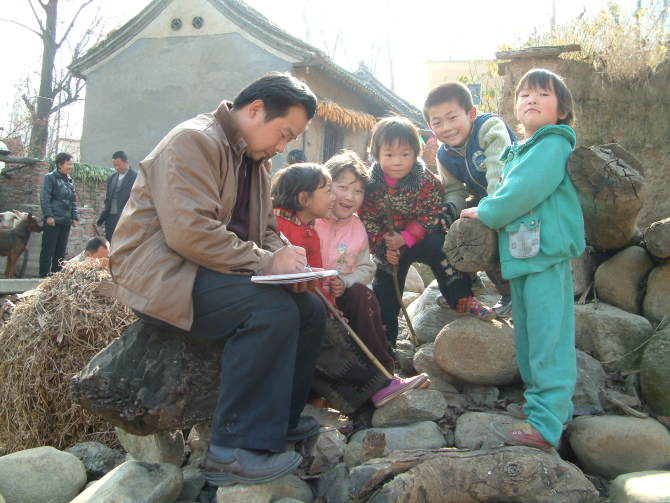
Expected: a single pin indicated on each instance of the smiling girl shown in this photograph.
(536, 210)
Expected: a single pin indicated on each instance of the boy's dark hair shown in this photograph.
(545, 79)
(296, 155)
(391, 129)
(279, 92)
(347, 160)
(448, 91)
(93, 244)
(62, 158)
(120, 154)
(290, 181)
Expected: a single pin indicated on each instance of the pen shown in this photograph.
(285, 240)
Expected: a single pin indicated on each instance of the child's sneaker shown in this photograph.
(473, 307)
(503, 307)
(520, 433)
(397, 387)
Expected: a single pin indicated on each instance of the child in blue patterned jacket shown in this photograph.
(536, 210)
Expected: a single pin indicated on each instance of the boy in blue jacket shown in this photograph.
(468, 159)
(536, 210)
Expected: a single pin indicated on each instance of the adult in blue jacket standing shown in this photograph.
(59, 211)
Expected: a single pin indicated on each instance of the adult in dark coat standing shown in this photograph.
(59, 210)
(118, 192)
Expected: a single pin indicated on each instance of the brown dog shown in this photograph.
(14, 241)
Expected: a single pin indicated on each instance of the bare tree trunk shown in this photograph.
(45, 98)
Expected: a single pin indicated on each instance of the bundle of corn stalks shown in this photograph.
(52, 334)
(345, 117)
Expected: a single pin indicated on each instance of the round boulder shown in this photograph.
(477, 352)
(655, 373)
(470, 246)
(609, 446)
(656, 302)
(414, 281)
(619, 280)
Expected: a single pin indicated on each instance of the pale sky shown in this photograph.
(365, 30)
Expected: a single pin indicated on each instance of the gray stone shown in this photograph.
(411, 407)
(590, 382)
(477, 352)
(289, 486)
(424, 361)
(198, 442)
(328, 451)
(656, 304)
(378, 442)
(409, 297)
(42, 474)
(655, 373)
(427, 316)
(473, 430)
(641, 487)
(582, 271)
(657, 239)
(330, 418)
(480, 395)
(193, 481)
(287, 500)
(619, 280)
(334, 485)
(612, 334)
(457, 405)
(414, 282)
(136, 481)
(404, 354)
(609, 446)
(98, 459)
(161, 447)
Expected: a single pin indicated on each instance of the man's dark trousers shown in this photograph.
(110, 225)
(272, 343)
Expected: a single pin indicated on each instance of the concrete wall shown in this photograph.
(153, 85)
(634, 113)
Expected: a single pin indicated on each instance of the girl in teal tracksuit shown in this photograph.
(536, 210)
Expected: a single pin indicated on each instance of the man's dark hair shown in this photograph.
(290, 181)
(93, 244)
(120, 154)
(296, 155)
(279, 92)
(394, 129)
(62, 158)
(449, 91)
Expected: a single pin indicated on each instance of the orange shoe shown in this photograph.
(473, 307)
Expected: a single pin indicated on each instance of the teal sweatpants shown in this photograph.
(544, 335)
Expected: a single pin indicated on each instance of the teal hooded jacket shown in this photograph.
(535, 189)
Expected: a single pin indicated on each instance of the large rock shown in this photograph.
(333, 486)
(619, 280)
(289, 486)
(424, 361)
(657, 239)
(590, 383)
(328, 451)
(414, 281)
(40, 475)
(162, 447)
(615, 336)
(656, 304)
(150, 379)
(427, 316)
(137, 482)
(582, 271)
(473, 430)
(509, 474)
(641, 487)
(379, 442)
(477, 352)
(609, 446)
(480, 395)
(98, 459)
(470, 246)
(655, 373)
(411, 407)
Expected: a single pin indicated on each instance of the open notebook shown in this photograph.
(298, 277)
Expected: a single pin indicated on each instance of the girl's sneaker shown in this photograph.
(397, 387)
(473, 307)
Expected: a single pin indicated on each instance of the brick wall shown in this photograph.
(20, 190)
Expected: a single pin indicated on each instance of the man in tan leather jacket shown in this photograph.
(197, 225)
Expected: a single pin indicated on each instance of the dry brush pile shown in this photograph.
(54, 331)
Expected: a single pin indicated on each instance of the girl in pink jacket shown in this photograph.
(344, 247)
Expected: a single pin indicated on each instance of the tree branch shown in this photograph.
(39, 21)
(21, 25)
(74, 19)
(29, 105)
